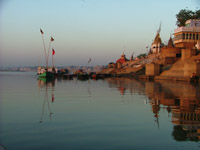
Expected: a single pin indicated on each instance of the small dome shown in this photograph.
(122, 59)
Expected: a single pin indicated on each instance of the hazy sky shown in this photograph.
(100, 29)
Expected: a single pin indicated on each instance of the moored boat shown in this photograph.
(68, 76)
(82, 76)
(47, 72)
(46, 75)
(43, 72)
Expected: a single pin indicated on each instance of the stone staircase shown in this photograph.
(177, 70)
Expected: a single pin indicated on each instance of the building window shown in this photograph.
(190, 36)
(193, 36)
(197, 36)
(183, 36)
(187, 36)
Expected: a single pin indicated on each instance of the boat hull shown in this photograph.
(46, 75)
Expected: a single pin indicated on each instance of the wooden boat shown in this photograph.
(43, 72)
(82, 76)
(47, 72)
(68, 76)
(46, 75)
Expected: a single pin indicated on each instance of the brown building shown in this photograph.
(122, 59)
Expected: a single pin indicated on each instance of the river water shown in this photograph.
(109, 114)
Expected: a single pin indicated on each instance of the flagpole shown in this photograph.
(44, 50)
(48, 52)
(52, 60)
(89, 62)
(49, 48)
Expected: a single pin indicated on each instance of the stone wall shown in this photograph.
(187, 53)
(119, 65)
(170, 51)
(169, 60)
(152, 69)
(190, 68)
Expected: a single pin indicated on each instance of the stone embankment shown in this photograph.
(182, 70)
(153, 67)
(132, 68)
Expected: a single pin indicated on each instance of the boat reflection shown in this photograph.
(180, 100)
(46, 82)
(48, 85)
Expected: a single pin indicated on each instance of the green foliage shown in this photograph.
(179, 134)
(141, 55)
(185, 15)
(197, 14)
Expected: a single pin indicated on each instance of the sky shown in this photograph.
(98, 29)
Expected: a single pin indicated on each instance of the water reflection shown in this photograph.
(47, 84)
(125, 85)
(180, 100)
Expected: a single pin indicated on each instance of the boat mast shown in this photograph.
(46, 54)
(44, 48)
(51, 40)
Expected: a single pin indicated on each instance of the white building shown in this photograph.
(187, 36)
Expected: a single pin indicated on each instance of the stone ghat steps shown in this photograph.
(143, 61)
(177, 70)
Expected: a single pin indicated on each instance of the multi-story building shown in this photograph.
(188, 35)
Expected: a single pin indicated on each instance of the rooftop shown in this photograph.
(192, 25)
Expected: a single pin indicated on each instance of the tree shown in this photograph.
(141, 55)
(197, 14)
(185, 15)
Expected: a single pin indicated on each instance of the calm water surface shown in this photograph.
(113, 114)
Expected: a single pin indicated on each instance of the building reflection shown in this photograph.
(180, 100)
(126, 85)
(48, 86)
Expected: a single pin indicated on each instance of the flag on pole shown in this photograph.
(53, 51)
(41, 31)
(89, 60)
(52, 39)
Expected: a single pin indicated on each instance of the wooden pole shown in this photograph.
(51, 40)
(45, 55)
(48, 52)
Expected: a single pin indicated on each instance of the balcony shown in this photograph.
(187, 29)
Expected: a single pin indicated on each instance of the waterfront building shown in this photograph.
(170, 53)
(188, 35)
(122, 59)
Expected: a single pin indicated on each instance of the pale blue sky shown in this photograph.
(100, 29)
